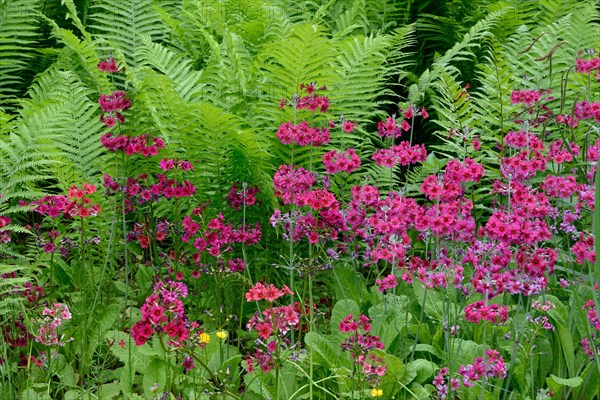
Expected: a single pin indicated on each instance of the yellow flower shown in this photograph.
(204, 337)
(222, 334)
(376, 392)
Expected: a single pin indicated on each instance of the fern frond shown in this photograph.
(27, 153)
(19, 34)
(305, 56)
(362, 72)
(9, 300)
(550, 11)
(491, 100)
(173, 64)
(463, 50)
(55, 143)
(81, 53)
(222, 149)
(453, 110)
(122, 22)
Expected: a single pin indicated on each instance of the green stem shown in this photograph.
(412, 354)
(213, 377)
(311, 325)
(126, 257)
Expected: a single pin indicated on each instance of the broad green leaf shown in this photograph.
(327, 350)
(396, 376)
(30, 394)
(422, 347)
(389, 318)
(109, 390)
(349, 284)
(465, 351)
(424, 369)
(555, 383)
(155, 378)
(138, 361)
(566, 343)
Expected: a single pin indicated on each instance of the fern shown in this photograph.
(550, 11)
(303, 57)
(19, 34)
(443, 76)
(173, 64)
(78, 131)
(523, 62)
(215, 140)
(27, 155)
(362, 72)
(55, 143)
(122, 23)
(81, 56)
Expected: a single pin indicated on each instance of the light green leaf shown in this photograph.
(423, 368)
(557, 382)
(155, 378)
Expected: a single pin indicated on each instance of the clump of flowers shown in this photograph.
(166, 164)
(143, 189)
(592, 314)
(490, 366)
(53, 318)
(587, 66)
(479, 311)
(390, 128)
(303, 134)
(75, 204)
(219, 237)
(588, 348)
(109, 65)
(312, 101)
(403, 154)
(112, 106)
(290, 183)
(526, 97)
(347, 161)
(143, 144)
(242, 196)
(163, 313)
(389, 282)
(272, 326)
(360, 344)
(16, 334)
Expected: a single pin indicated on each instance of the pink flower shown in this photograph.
(389, 282)
(347, 126)
(49, 247)
(264, 330)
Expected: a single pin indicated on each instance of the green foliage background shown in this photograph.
(207, 76)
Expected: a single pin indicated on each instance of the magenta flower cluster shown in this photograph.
(4, 233)
(143, 144)
(244, 196)
(163, 313)
(347, 161)
(526, 97)
(303, 134)
(490, 366)
(142, 190)
(360, 344)
(479, 311)
(219, 236)
(403, 154)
